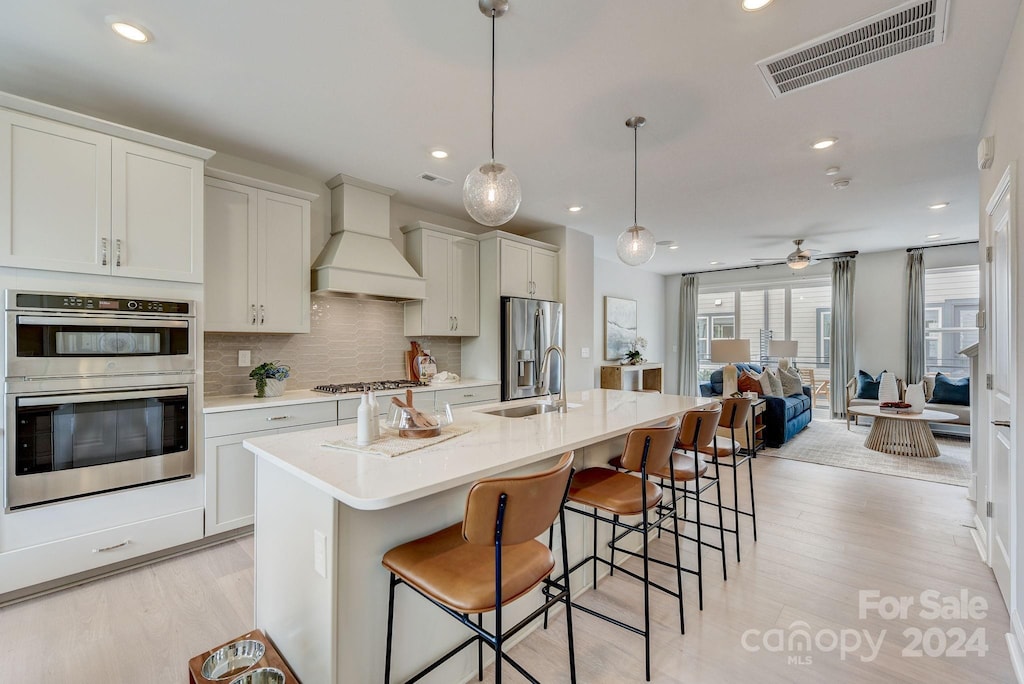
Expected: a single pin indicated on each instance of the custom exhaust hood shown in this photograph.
(360, 258)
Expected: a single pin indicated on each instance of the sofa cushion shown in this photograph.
(796, 404)
(962, 413)
(792, 383)
(867, 386)
(716, 376)
(749, 383)
(950, 391)
(775, 382)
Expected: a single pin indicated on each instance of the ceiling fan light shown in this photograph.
(797, 264)
(635, 246)
(491, 194)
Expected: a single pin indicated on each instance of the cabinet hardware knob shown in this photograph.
(278, 417)
(112, 547)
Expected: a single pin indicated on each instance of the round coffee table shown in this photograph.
(902, 434)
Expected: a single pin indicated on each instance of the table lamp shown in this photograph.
(783, 350)
(730, 352)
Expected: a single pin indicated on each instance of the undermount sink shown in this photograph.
(523, 411)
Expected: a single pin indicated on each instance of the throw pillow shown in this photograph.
(766, 385)
(774, 382)
(791, 382)
(749, 383)
(867, 386)
(950, 391)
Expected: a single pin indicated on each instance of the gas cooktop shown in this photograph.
(375, 385)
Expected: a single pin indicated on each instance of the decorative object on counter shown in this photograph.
(374, 415)
(426, 366)
(270, 378)
(915, 397)
(413, 423)
(411, 371)
(445, 376)
(391, 444)
(364, 433)
(619, 327)
(887, 389)
(239, 658)
(636, 244)
(491, 193)
(634, 355)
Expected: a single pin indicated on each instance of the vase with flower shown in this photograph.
(270, 378)
(634, 355)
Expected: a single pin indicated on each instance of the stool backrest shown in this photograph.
(531, 504)
(659, 450)
(699, 426)
(734, 412)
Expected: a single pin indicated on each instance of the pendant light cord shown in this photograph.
(493, 18)
(635, 129)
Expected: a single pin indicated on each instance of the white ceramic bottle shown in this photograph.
(363, 430)
(374, 416)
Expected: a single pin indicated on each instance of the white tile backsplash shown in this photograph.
(349, 340)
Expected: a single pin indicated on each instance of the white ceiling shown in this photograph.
(369, 88)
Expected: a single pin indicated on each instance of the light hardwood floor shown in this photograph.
(825, 534)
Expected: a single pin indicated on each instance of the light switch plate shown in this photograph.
(244, 357)
(585, 353)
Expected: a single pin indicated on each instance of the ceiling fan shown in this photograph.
(798, 258)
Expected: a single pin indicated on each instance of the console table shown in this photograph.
(644, 376)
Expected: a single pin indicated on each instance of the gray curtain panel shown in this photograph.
(915, 316)
(841, 347)
(688, 291)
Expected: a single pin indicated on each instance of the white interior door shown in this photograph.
(1002, 371)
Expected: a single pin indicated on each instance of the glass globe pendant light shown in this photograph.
(635, 245)
(491, 192)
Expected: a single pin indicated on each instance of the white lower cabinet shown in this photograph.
(469, 396)
(231, 469)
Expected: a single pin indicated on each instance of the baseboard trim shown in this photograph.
(980, 543)
(1014, 643)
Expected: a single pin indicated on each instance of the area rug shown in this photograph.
(828, 442)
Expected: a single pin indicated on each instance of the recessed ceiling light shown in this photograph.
(576, 208)
(673, 246)
(832, 171)
(438, 154)
(715, 263)
(940, 205)
(824, 143)
(934, 236)
(840, 183)
(754, 5)
(131, 32)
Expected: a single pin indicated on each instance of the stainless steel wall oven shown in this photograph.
(99, 395)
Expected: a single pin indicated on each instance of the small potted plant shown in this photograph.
(270, 378)
(634, 355)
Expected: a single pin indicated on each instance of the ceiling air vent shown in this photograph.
(910, 26)
(438, 180)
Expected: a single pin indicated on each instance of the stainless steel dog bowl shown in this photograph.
(263, 675)
(233, 659)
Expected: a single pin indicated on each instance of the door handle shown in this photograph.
(1001, 423)
(252, 310)
(117, 242)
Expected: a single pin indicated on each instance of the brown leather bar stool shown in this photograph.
(489, 560)
(726, 453)
(618, 494)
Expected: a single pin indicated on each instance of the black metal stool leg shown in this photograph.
(647, 599)
(736, 506)
(595, 548)
(611, 567)
(480, 647)
(721, 528)
(753, 508)
(700, 548)
(391, 621)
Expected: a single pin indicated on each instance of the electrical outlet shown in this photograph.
(320, 553)
(585, 353)
(244, 357)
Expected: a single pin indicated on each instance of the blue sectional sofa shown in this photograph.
(783, 416)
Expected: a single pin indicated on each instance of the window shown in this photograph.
(824, 337)
(951, 308)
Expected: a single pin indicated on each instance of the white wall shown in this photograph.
(1003, 121)
(615, 279)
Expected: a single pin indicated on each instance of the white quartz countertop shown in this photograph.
(247, 401)
(494, 445)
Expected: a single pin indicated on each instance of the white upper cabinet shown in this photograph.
(82, 201)
(527, 270)
(258, 278)
(449, 260)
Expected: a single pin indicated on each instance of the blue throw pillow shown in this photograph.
(950, 391)
(867, 386)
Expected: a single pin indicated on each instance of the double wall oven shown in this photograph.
(99, 395)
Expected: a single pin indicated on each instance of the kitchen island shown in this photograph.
(324, 518)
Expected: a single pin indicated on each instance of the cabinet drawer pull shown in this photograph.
(263, 314)
(103, 245)
(118, 243)
(252, 310)
(469, 395)
(112, 547)
(278, 417)
(456, 323)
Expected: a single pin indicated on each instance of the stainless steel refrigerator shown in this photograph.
(528, 327)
